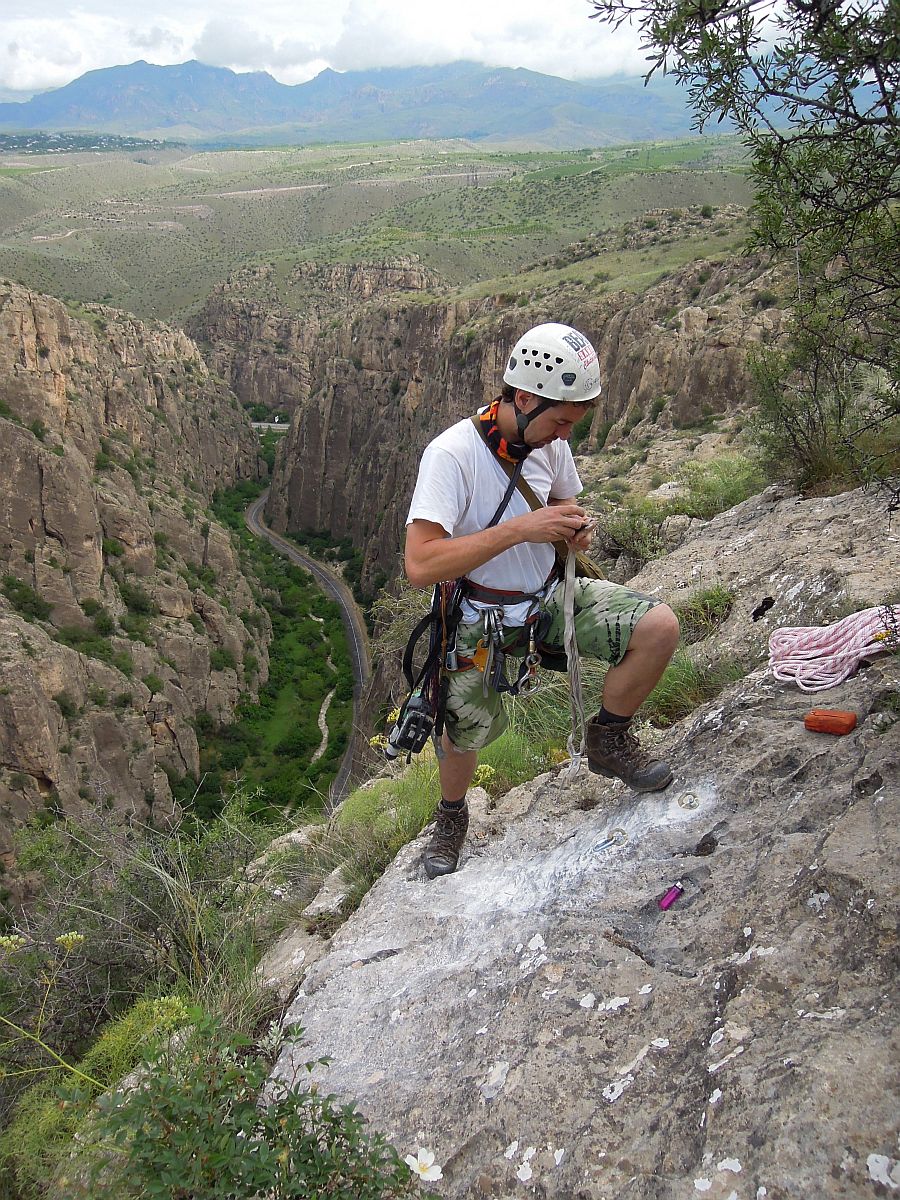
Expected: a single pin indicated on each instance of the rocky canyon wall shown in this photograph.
(123, 612)
(371, 383)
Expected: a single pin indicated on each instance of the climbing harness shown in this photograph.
(821, 656)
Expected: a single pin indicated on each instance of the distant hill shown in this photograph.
(499, 106)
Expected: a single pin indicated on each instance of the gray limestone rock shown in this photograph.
(545, 1028)
(536, 1018)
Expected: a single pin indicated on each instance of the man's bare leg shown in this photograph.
(456, 769)
(649, 652)
(612, 749)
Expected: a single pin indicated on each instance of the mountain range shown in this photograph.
(199, 103)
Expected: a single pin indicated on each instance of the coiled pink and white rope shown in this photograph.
(822, 656)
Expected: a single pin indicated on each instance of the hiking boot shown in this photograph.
(442, 852)
(614, 751)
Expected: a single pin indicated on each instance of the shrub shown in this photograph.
(154, 683)
(113, 548)
(632, 529)
(25, 599)
(717, 485)
(686, 684)
(221, 659)
(39, 1137)
(581, 430)
(66, 705)
(764, 298)
(155, 911)
(103, 623)
(703, 612)
(136, 599)
(220, 1141)
(822, 424)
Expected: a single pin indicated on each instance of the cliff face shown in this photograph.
(536, 1018)
(369, 388)
(122, 600)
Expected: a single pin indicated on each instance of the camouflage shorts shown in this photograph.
(605, 616)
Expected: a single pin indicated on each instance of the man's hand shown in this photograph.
(582, 539)
(555, 523)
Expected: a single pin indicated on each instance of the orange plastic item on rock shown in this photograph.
(830, 720)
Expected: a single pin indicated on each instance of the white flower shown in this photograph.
(524, 1172)
(422, 1164)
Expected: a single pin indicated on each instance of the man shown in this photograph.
(552, 379)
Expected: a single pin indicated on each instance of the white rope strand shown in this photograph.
(576, 701)
(821, 656)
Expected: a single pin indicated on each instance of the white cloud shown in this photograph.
(44, 44)
(237, 45)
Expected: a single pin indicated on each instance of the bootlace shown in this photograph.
(449, 830)
(623, 741)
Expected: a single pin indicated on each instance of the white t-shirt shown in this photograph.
(459, 487)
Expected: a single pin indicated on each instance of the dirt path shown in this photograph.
(323, 728)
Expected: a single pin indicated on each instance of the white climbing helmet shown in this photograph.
(555, 361)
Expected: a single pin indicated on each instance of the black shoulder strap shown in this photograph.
(514, 473)
(525, 489)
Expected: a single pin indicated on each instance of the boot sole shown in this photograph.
(635, 787)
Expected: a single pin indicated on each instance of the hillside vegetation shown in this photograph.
(154, 231)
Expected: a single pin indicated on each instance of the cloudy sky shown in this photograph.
(47, 43)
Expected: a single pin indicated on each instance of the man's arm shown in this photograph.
(433, 555)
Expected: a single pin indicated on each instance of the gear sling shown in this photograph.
(422, 713)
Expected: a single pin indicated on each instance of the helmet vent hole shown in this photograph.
(559, 362)
(548, 367)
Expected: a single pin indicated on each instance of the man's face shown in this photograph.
(556, 422)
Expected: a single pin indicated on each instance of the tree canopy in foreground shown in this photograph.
(813, 88)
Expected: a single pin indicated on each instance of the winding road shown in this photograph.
(357, 641)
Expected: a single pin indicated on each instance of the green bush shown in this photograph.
(113, 548)
(154, 683)
(103, 623)
(220, 1142)
(686, 685)
(703, 612)
(38, 1139)
(715, 486)
(66, 705)
(221, 659)
(581, 429)
(632, 529)
(821, 424)
(136, 600)
(155, 912)
(25, 599)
